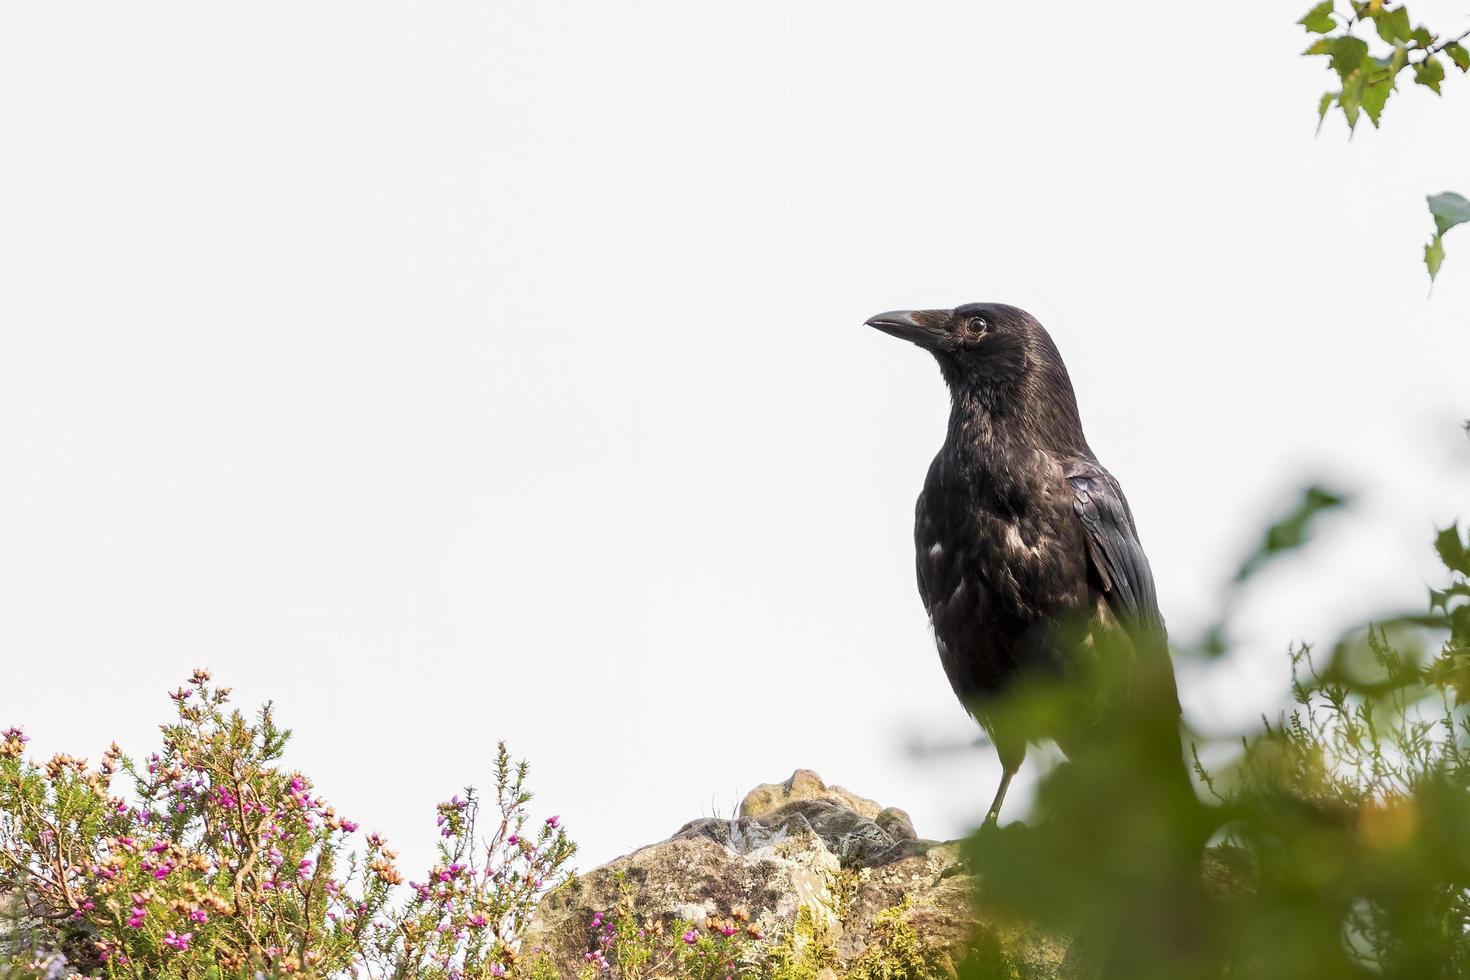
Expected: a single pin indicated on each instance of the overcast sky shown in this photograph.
(461, 371)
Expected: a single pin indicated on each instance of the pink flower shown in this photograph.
(135, 921)
(199, 915)
(553, 821)
(349, 826)
(180, 943)
(691, 937)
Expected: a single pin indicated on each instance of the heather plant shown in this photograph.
(465, 919)
(219, 862)
(629, 947)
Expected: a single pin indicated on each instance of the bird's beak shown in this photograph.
(927, 328)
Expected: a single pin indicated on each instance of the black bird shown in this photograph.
(1019, 531)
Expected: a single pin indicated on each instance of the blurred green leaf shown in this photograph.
(1458, 53)
(1319, 19)
(1434, 256)
(1375, 95)
(1393, 25)
(1429, 73)
(1292, 530)
(1327, 99)
(1452, 551)
(1351, 98)
(1449, 209)
(1347, 55)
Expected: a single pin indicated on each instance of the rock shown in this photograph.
(802, 786)
(851, 870)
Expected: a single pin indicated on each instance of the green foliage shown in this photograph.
(805, 952)
(897, 952)
(1333, 845)
(1448, 209)
(1292, 529)
(1367, 79)
(217, 862)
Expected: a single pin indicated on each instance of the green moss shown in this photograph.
(843, 886)
(896, 952)
(805, 952)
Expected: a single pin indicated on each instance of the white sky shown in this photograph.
(449, 372)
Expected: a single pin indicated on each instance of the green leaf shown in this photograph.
(1327, 99)
(1452, 551)
(1449, 209)
(1458, 54)
(1440, 599)
(1434, 256)
(1348, 54)
(1351, 97)
(1429, 73)
(1292, 530)
(1377, 90)
(1393, 25)
(1319, 19)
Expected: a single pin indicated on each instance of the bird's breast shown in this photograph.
(997, 565)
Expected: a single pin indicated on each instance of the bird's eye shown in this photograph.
(978, 325)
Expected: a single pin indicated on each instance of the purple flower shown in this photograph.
(553, 821)
(691, 937)
(180, 943)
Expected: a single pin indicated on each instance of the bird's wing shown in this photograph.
(1113, 548)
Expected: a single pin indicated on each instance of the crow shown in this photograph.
(1026, 547)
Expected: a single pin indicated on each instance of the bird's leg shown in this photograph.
(993, 817)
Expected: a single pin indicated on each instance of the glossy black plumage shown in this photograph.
(1025, 543)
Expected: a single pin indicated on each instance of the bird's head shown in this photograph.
(980, 344)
